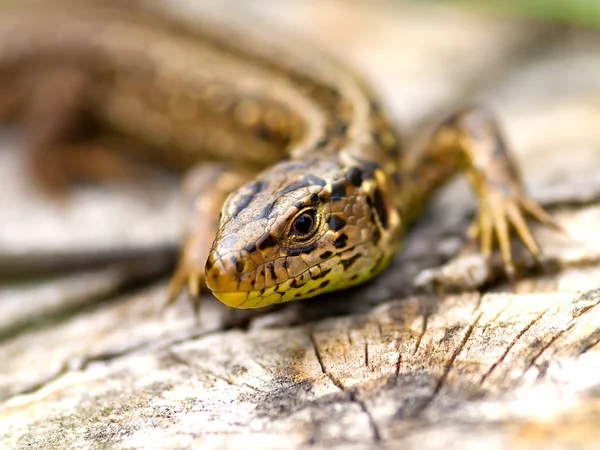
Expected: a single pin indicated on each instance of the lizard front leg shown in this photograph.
(205, 189)
(471, 140)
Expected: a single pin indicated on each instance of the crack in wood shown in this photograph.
(572, 323)
(351, 393)
(379, 329)
(81, 364)
(181, 360)
(510, 346)
(33, 388)
(363, 407)
(74, 365)
(544, 348)
(423, 331)
(590, 346)
(398, 362)
(478, 303)
(459, 349)
(350, 342)
(442, 380)
(178, 359)
(366, 353)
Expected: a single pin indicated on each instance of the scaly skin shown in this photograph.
(328, 217)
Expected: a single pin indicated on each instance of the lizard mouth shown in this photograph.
(253, 299)
(234, 299)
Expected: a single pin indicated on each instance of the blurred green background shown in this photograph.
(584, 13)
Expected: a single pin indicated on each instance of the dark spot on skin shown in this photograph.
(262, 291)
(340, 242)
(298, 204)
(321, 274)
(348, 262)
(298, 295)
(271, 268)
(313, 199)
(242, 203)
(322, 143)
(239, 265)
(286, 264)
(375, 108)
(323, 284)
(338, 190)
(334, 94)
(266, 241)
(299, 251)
(299, 184)
(393, 151)
(268, 210)
(339, 128)
(336, 223)
(209, 263)
(449, 122)
(354, 176)
(376, 137)
(376, 235)
(250, 248)
(314, 180)
(368, 167)
(325, 255)
(257, 186)
(309, 180)
(296, 284)
(380, 208)
(369, 201)
(263, 132)
(372, 217)
(354, 277)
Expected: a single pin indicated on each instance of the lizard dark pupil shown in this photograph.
(304, 224)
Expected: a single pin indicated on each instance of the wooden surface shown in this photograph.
(86, 363)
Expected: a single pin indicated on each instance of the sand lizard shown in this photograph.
(326, 191)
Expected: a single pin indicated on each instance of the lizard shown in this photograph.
(316, 190)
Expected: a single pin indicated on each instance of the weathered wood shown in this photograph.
(387, 365)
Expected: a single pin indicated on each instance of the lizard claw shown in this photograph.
(189, 275)
(500, 212)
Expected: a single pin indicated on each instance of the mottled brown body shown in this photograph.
(329, 217)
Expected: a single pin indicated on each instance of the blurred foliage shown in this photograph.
(575, 12)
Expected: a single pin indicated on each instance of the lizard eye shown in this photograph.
(304, 225)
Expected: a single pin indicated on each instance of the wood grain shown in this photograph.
(396, 363)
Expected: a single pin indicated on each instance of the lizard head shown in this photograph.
(289, 235)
